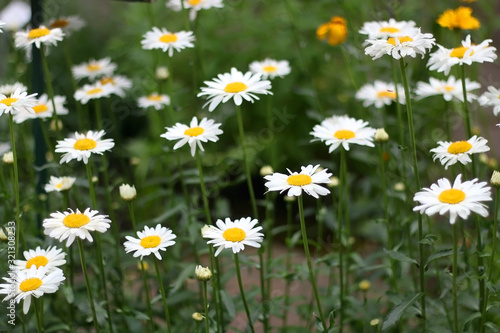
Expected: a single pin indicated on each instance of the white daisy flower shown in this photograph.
(59, 184)
(19, 101)
(491, 98)
(380, 93)
(154, 100)
(307, 180)
(15, 15)
(119, 83)
(450, 153)
(234, 234)
(234, 85)
(93, 91)
(194, 6)
(151, 240)
(194, 134)
(9, 89)
(387, 29)
(43, 109)
(449, 89)
(342, 130)
(51, 258)
(270, 68)
(32, 282)
(443, 59)
(458, 200)
(38, 36)
(81, 146)
(72, 224)
(94, 69)
(67, 24)
(167, 41)
(399, 47)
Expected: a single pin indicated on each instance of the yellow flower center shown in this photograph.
(269, 69)
(76, 220)
(387, 94)
(155, 98)
(61, 23)
(234, 235)
(37, 261)
(459, 147)
(94, 91)
(344, 134)
(30, 284)
(40, 108)
(299, 180)
(59, 185)
(37, 33)
(452, 196)
(449, 88)
(390, 30)
(9, 101)
(168, 38)
(193, 2)
(150, 241)
(459, 52)
(235, 87)
(93, 67)
(107, 80)
(392, 40)
(84, 144)
(194, 131)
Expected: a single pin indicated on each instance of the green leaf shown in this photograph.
(399, 256)
(437, 255)
(181, 278)
(397, 312)
(228, 303)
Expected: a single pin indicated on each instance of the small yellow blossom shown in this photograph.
(460, 18)
(197, 316)
(364, 285)
(335, 31)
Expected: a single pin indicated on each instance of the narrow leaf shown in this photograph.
(399, 256)
(397, 312)
(438, 254)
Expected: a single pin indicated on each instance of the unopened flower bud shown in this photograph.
(197, 316)
(375, 322)
(205, 228)
(399, 186)
(3, 236)
(495, 179)
(52, 126)
(8, 157)
(162, 73)
(289, 198)
(142, 264)
(202, 273)
(127, 192)
(266, 170)
(381, 135)
(334, 182)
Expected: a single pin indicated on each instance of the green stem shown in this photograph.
(98, 115)
(309, 264)
(38, 314)
(242, 291)
(455, 273)
(347, 62)
(205, 305)
(50, 90)
(340, 236)
(50, 147)
(468, 125)
(203, 189)
(69, 64)
(87, 282)
(245, 161)
(288, 260)
(19, 228)
(163, 295)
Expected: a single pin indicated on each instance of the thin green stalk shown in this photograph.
(50, 90)
(205, 306)
(309, 264)
(347, 220)
(416, 175)
(288, 263)
(170, 89)
(263, 291)
(454, 281)
(242, 292)
(87, 282)
(348, 66)
(272, 143)
(38, 314)
(268, 268)
(246, 164)
(19, 228)
(163, 295)
(203, 189)
(98, 114)
(468, 125)
(69, 64)
(46, 138)
(340, 235)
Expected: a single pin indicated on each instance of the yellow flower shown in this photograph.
(459, 18)
(335, 30)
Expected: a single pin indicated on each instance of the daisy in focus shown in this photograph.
(9, 89)
(458, 200)
(234, 235)
(93, 91)
(307, 180)
(59, 184)
(51, 258)
(38, 36)
(118, 83)
(194, 134)
(343, 130)
(32, 282)
(94, 69)
(450, 153)
(234, 85)
(167, 41)
(18, 101)
(380, 93)
(151, 240)
(71, 224)
(491, 98)
(270, 68)
(43, 109)
(449, 89)
(194, 6)
(334, 31)
(154, 100)
(68, 24)
(460, 18)
(387, 29)
(80, 146)
(443, 59)
(399, 47)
